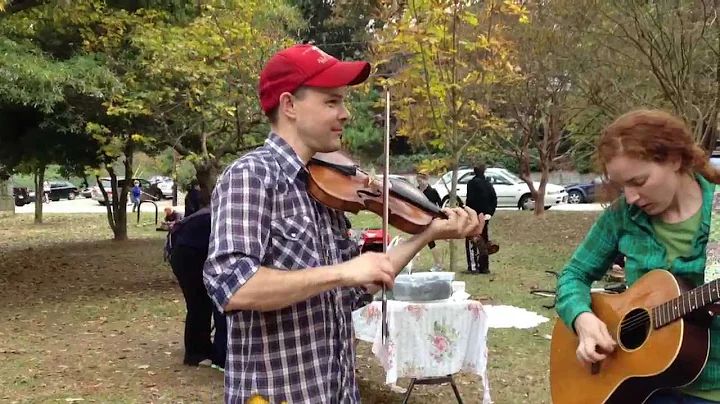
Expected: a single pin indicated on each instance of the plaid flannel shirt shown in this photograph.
(627, 229)
(263, 215)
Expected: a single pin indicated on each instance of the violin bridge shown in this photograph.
(374, 181)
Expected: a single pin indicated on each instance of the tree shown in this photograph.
(535, 106)
(90, 32)
(202, 79)
(36, 94)
(339, 28)
(657, 54)
(447, 57)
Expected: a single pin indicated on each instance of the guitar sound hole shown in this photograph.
(634, 329)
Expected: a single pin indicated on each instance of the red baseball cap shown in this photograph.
(306, 65)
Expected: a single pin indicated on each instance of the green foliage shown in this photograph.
(201, 78)
(446, 57)
(339, 28)
(30, 77)
(655, 54)
(363, 135)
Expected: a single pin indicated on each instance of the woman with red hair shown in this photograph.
(661, 221)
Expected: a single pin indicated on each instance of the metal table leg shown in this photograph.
(433, 380)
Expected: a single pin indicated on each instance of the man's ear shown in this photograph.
(287, 105)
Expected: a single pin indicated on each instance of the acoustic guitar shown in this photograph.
(661, 326)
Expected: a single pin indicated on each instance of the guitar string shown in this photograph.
(633, 324)
(646, 318)
(637, 320)
(632, 321)
(643, 318)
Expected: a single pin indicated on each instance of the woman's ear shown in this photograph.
(675, 163)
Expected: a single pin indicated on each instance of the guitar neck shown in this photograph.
(686, 303)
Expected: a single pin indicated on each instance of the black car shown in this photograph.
(62, 190)
(585, 192)
(22, 197)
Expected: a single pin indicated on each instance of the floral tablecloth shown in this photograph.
(712, 263)
(431, 339)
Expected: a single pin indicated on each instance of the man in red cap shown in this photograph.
(280, 263)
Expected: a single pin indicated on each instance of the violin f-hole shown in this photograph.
(362, 192)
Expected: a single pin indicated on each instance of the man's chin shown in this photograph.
(331, 146)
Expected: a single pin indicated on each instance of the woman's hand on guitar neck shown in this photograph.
(595, 340)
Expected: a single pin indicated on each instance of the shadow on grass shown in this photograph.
(67, 271)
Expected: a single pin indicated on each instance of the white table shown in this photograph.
(428, 340)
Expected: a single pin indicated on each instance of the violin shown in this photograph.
(337, 182)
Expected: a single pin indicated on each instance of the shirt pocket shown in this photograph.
(293, 242)
(346, 248)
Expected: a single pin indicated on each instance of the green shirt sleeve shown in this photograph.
(589, 263)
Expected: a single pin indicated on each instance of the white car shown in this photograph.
(166, 187)
(510, 189)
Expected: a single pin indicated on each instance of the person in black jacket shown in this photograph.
(188, 244)
(434, 197)
(481, 197)
(192, 199)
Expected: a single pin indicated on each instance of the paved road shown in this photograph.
(580, 207)
(83, 205)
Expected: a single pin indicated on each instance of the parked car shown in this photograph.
(150, 192)
(166, 188)
(63, 190)
(715, 160)
(21, 195)
(584, 192)
(510, 189)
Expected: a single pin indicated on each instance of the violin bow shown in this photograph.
(386, 204)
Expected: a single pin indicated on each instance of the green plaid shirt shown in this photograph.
(627, 229)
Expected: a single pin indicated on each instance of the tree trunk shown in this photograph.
(39, 192)
(206, 173)
(524, 164)
(174, 178)
(108, 205)
(540, 194)
(117, 208)
(120, 228)
(7, 200)
(453, 203)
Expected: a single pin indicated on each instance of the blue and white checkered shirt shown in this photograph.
(263, 215)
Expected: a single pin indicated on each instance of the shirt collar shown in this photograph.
(708, 194)
(285, 155)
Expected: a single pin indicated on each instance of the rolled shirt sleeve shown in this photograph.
(240, 230)
(589, 263)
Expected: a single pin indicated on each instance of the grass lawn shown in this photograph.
(88, 318)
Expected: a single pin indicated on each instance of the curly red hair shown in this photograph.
(652, 135)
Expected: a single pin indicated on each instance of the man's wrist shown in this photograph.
(337, 275)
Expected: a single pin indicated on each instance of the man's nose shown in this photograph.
(344, 114)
